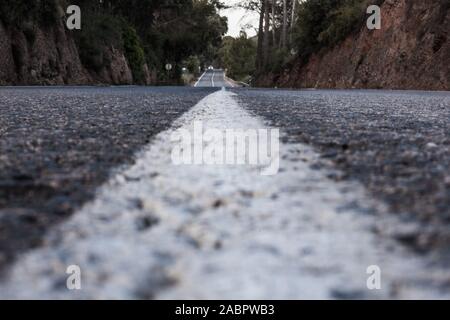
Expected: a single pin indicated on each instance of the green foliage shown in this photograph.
(155, 32)
(238, 57)
(99, 31)
(279, 59)
(170, 31)
(102, 31)
(343, 21)
(324, 23)
(192, 64)
(134, 52)
(190, 28)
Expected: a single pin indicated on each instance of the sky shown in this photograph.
(238, 18)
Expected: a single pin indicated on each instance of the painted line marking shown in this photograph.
(199, 79)
(221, 232)
(228, 81)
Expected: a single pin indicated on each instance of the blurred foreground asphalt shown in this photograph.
(59, 145)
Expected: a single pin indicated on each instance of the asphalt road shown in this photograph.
(59, 144)
(86, 178)
(396, 143)
(214, 78)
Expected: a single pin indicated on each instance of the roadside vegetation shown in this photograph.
(189, 34)
(192, 67)
(290, 30)
(149, 32)
(323, 24)
(158, 33)
(237, 56)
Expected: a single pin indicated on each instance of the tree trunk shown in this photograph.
(294, 7)
(259, 51)
(274, 36)
(266, 34)
(285, 21)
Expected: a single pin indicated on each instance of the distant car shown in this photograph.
(210, 68)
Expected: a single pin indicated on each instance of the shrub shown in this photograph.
(324, 23)
(99, 32)
(192, 64)
(343, 21)
(133, 52)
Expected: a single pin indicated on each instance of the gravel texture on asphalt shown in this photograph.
(396, 143)
(160, 230)
(58, 144)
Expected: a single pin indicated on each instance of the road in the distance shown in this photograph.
(86, 179)
(214, 78)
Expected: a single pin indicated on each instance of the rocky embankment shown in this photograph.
(37, 55)
(411, 51)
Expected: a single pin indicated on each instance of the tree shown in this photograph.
(285, 22)
(165, 31)
(238, 56)
(322, 23)
(274, 25)
(266, 48)
(259, 54)
(193, 64)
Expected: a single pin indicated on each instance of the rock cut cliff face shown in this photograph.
(40, 57)
(37, 55)
(411, 51)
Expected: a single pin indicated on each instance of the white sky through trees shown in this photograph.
(238, 19)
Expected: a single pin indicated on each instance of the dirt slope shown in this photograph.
(411, 51)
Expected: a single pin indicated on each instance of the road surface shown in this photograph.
(214, 78)
(87, 179)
